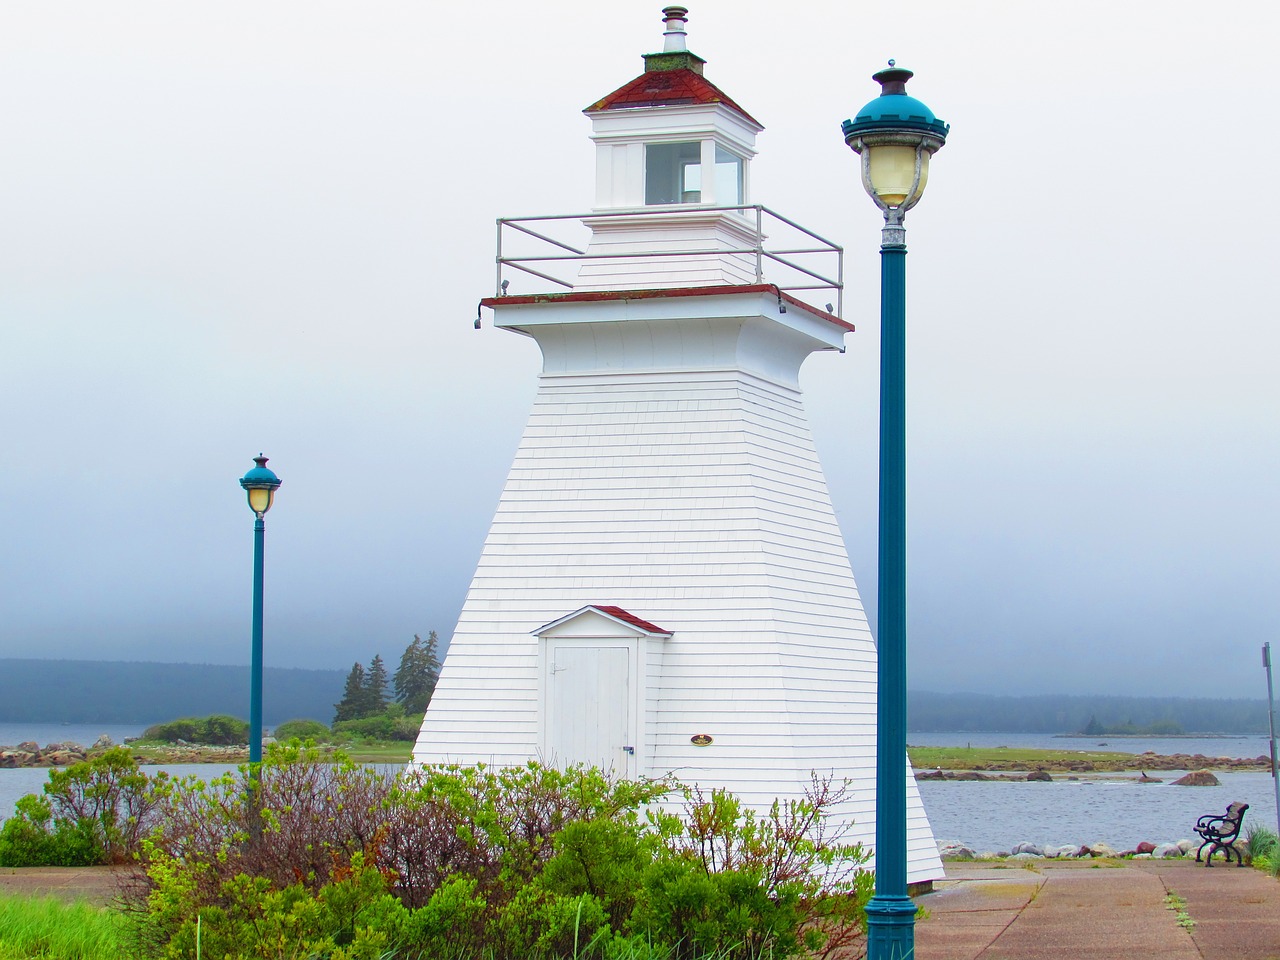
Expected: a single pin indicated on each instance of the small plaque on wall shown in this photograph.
(701, 740)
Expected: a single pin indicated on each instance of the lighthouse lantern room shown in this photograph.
(664, 588)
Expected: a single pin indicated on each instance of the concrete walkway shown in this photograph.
(94, 884)
(1100, 911)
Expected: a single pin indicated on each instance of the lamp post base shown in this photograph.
(891, 928)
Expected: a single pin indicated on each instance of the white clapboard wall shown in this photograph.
(665, 566)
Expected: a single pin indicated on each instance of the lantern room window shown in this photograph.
(728, 178)
(673, 172)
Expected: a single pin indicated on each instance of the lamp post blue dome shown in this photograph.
(260, 475)
(894, 109)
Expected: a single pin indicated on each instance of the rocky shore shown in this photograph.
(1196, 778)
(63, 754)
(954, 850)
(1124, 763)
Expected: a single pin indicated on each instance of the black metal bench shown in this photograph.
(1219, 833)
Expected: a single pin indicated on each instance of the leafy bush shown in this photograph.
(504, 863)
(302, 730)
(390, 725)
(92, 812)
(217, 730)
(30, 838)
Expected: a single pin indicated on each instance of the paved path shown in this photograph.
(95, 884)
(1097, 911)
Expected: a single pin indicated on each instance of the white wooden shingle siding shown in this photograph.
(691, 497)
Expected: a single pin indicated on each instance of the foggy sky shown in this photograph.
(235, 227)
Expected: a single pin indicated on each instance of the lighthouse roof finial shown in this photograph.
(671, 78)
(675, 53)
(673, 37)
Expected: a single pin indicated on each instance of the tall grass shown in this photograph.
(45, 928)
(1262, 849)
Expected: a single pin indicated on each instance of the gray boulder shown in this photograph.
(1033, 849)
(1101, 849)
(103, 742)
(1166, 851)
(955, 850)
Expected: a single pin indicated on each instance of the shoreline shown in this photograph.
(56, 755)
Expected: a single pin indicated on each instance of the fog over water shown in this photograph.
(246, 226)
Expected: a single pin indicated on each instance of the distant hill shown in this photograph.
(106, 691)
(928, 711)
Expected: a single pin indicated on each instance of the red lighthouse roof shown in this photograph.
(665, 88)
(671, 78)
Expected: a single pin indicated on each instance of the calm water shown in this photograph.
(84, 734)
(994, 816)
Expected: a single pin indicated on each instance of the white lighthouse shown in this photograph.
(664, 588)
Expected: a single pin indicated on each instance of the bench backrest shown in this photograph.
(1235, 813)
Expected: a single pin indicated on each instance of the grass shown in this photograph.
(1262, 849)
(45, 928)
(1179, 906)
(379, 751)
(1010, 758)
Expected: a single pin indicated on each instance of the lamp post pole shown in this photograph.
(260, 484)
(255, 668)
(894, 136)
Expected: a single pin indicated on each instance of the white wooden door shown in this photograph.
(589, 706)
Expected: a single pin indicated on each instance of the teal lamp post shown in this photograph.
(894, 136)
(261, 485)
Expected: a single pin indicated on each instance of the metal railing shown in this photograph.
(792, 275)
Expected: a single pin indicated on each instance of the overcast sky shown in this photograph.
(235, 227)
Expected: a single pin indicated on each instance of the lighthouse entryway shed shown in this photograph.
(594, 668)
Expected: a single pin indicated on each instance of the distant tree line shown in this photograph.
(369, 692)
(1095, 715)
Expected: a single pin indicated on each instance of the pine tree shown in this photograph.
(375, 686)
(353, 695)
(415, 679)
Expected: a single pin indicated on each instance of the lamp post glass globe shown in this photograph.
(895, 134)
(260, 484)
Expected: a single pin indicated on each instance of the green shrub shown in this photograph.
(31, 838)
(92, 812)
(302, 730)
(459, 862)
(383, 726)
(217, 730)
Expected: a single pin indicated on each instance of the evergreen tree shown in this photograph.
(375, 686)
(415, 679)
(353, 696)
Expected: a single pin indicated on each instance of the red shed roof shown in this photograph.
(630, 618)
(663, 88)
